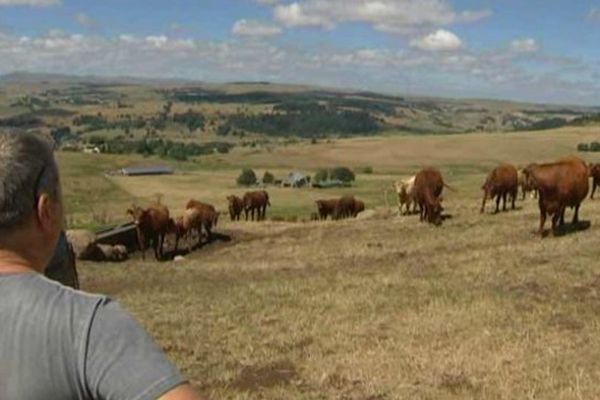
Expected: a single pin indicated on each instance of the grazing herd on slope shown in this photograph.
(558, 186)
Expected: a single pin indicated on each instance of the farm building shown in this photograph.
(150, 170)
(296, 180)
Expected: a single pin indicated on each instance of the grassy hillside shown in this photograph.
(380, 308)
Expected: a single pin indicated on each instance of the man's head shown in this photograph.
(31, 214)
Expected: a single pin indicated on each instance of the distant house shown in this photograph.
(140, 171)
(91, 150)
(296, 180)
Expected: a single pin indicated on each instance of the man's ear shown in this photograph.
(48, 215)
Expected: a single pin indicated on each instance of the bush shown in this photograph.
(594, 146)
(247, 178)
(343, 174)
(366, 170)
(268, 178)
(321, 175)
(583, 147)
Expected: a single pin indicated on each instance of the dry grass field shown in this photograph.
(377, 308)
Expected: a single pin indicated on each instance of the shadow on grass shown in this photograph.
(183, 250)
(568, 229)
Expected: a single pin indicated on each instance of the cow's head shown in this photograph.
(434, 212)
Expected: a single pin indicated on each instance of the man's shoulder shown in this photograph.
(42, 293)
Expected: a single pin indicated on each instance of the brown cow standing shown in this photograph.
(429, 185)
(186, 225)
(594, 172)
(236, 206)
(256, 201)
(326, 208)
(208, 215)
(344, 207)
(502, 182)
(560, 185)
(151, 224)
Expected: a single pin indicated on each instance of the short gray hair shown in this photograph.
(27, 169)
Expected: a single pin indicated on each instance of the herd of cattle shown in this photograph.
(559, 185)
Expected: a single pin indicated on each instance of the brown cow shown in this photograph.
(502, 182)
(209, 217)
(526, 184)
(236, 206)
(151, 224)
(560, 185)
(359, 206)
(344, 207)
(429, 185)
(594, 172)
(326, 207)
(186, 225)
(256, 201)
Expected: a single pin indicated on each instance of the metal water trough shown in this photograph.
(123, 234)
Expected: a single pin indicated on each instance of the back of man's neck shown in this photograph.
(11, 262)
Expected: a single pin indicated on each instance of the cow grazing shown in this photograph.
(501, 183)
(594, 172)
(256, 201)
(236, 206)
(151, 224)
(326, 208)
(560, 185)
(429, 185)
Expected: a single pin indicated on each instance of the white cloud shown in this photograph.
(33, 3)
(594, 14)
(525, 45)
(399, 16)
(254, 28)
(442, 73)
(440, 40)
(267, 2)
(86, 21)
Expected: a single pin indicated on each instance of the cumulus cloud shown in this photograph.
(440, 40)
(32, 3)
(398, 16)
(525, 45)
(426, 72)
(245, 27)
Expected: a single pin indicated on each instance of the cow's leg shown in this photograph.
(524, 193)
(594, 185)
(498, 198)
(485, 195)
(576, 214)
(542, 218)
(504, 196)
(514, 198)
(561, 220)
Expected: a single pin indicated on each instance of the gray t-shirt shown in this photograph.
(60, 344)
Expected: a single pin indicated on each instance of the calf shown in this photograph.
(501, 183)
(429, 185)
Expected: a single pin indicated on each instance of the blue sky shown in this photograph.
(534, 50)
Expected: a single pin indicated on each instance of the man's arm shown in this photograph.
(182, 392)
(123, 362)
